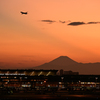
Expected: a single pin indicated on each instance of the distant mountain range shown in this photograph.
(65, 63)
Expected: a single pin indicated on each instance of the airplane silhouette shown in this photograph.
(23, 12)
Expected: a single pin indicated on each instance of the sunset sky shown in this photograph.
(52, 28)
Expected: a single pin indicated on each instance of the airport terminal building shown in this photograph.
(31, 78)
(24, 77)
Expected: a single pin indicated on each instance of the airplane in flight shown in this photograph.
(23, 12)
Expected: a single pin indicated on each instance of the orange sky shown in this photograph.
(27, 41)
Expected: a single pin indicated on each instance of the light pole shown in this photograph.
(45, 83)
(96, 81)
(62, 81)
(62, 78)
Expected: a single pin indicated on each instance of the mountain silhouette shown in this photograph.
(63, 61)
(66, 63)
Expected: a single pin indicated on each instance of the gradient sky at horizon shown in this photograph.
(31, 40)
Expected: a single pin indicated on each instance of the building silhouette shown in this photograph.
(37, 79)
(62, 72)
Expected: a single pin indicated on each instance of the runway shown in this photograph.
(48, 96)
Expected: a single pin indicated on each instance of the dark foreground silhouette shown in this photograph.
(52, 95)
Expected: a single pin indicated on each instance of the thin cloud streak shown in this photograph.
(62, 21)
(71, 23)
(27, 55)
(82, 23)
(93, 23)
(50, 21)
(76, 23)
